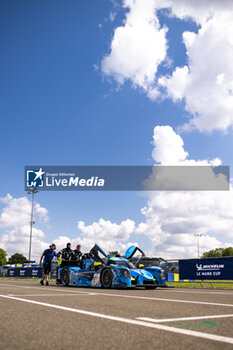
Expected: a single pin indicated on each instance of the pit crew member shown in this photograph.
(48, 255)
(77, 255)
(66, 255)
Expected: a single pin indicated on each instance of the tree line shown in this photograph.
(16, 258)
(218, 253)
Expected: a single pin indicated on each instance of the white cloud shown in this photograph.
(18, 210)
(200, 11)
(169, 149)
(112, 16)
(41, 212)
(205, 84)
(6, 199)
(137, 47)
(15, 217)
(109, 235)
(185, 245)
(61, 242)
(107, 230)
(165, 139)
(16, 240)
(173, 217)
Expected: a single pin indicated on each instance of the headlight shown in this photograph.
(125, 273)
(162, 275)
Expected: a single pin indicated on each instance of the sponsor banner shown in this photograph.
(127, 178)
(28, 272)
(206, 269)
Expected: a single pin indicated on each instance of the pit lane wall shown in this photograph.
(172, 277)
(27, 272)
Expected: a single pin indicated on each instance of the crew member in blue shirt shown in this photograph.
(48, 255)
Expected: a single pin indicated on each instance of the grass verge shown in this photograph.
(217, 285)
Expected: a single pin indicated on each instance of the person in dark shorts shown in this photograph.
(48, 255)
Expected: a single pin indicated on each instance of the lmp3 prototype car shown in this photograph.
(106, 272)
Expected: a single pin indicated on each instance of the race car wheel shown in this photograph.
(65, 277)
(106, 278)
(151, 287)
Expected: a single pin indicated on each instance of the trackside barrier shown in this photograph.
(175, 277)
(26, 272)
(172, 277)
(29, 272)
(206, 270)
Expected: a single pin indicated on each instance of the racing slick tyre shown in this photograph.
(106, 278)
(65, 277)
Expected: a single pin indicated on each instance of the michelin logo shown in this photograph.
(209, 267)
(35, 178)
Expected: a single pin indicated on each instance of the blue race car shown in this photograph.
(155, 271)
(95, 272)
(104, 271)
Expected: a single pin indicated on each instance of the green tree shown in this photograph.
(218, 252)
(17, 258)
(227, 251)
(3, 255)
(214, 253)
(114, 252)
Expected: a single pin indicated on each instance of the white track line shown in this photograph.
(135, 297)
(168, 300)
(159, 290)
(182, 318)
(208, 336)
(47, 295)
(57, 289)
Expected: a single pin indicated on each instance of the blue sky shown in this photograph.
(58, 107)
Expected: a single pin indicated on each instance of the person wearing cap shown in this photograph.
(47, 258)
